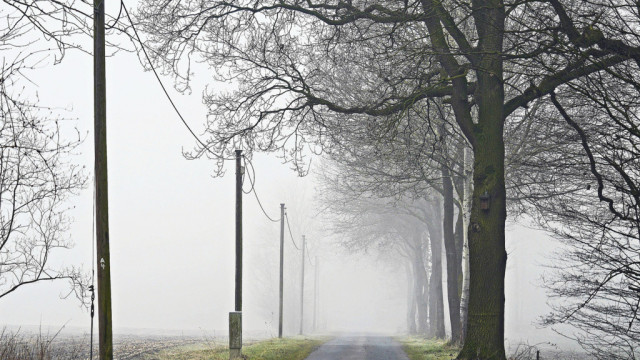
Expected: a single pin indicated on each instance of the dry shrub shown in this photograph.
(18, 346)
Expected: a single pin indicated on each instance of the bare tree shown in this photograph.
(488, 60)
(596, 287)
(35, 181)
(387, 226)
(414, 158)
(36, 175)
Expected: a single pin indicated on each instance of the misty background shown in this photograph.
(172, 230)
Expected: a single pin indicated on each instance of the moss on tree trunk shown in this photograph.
(487, 255)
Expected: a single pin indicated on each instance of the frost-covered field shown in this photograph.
(135, 344)
(544, 351)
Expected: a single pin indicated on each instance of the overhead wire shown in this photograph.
(117, 19)
(309, 258)
(205, 146)
(253, 188)
(286, 216)
(245, 172)
(144, 51)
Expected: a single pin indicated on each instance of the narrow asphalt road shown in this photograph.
(359, 348)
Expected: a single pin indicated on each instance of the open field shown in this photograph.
(52, 346)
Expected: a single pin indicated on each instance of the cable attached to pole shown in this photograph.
(286, 216)
(93, 267)
(309, 258)
(93, 296)
(253, 188)
(205, 146)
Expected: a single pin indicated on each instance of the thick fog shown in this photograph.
(172, 232)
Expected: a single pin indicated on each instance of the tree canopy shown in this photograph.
(302, 69)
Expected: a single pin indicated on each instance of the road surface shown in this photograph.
(359, 348)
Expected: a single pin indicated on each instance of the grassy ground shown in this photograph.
(420, 348)
(296, 348)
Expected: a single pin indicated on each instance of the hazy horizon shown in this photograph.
(172, 230)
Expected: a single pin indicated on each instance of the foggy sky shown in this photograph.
(172, 229)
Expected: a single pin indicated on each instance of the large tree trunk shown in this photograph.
(466, 209)
(458, 234)
(487, 255)
(411, 301)
(436, 303)
(452, 255)
(422, 284)
(459, 187)
(419, 291)
(436, 310)
(423, 303)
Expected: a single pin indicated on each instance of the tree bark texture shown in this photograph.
(466, 209)
(451, 254)
(487, 256)
(487, 259)
(436, 303)
(458, 235)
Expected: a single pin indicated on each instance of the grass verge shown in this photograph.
(421, 348)
(296, 348)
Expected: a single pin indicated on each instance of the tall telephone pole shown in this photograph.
(281, 268)
(105, 341)
(304, 245)
(239, 230)
(235, 317)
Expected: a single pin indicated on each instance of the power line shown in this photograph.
(253, 189)
(206, 148)
(244, 158)
(286, 216)
(308, 258)
(144, 51)
(117, 20)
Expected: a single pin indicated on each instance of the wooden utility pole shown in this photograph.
(105, 341)
(304, 244)
(239, 230)
(315, 295)
(235, 317)
(281, 269)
